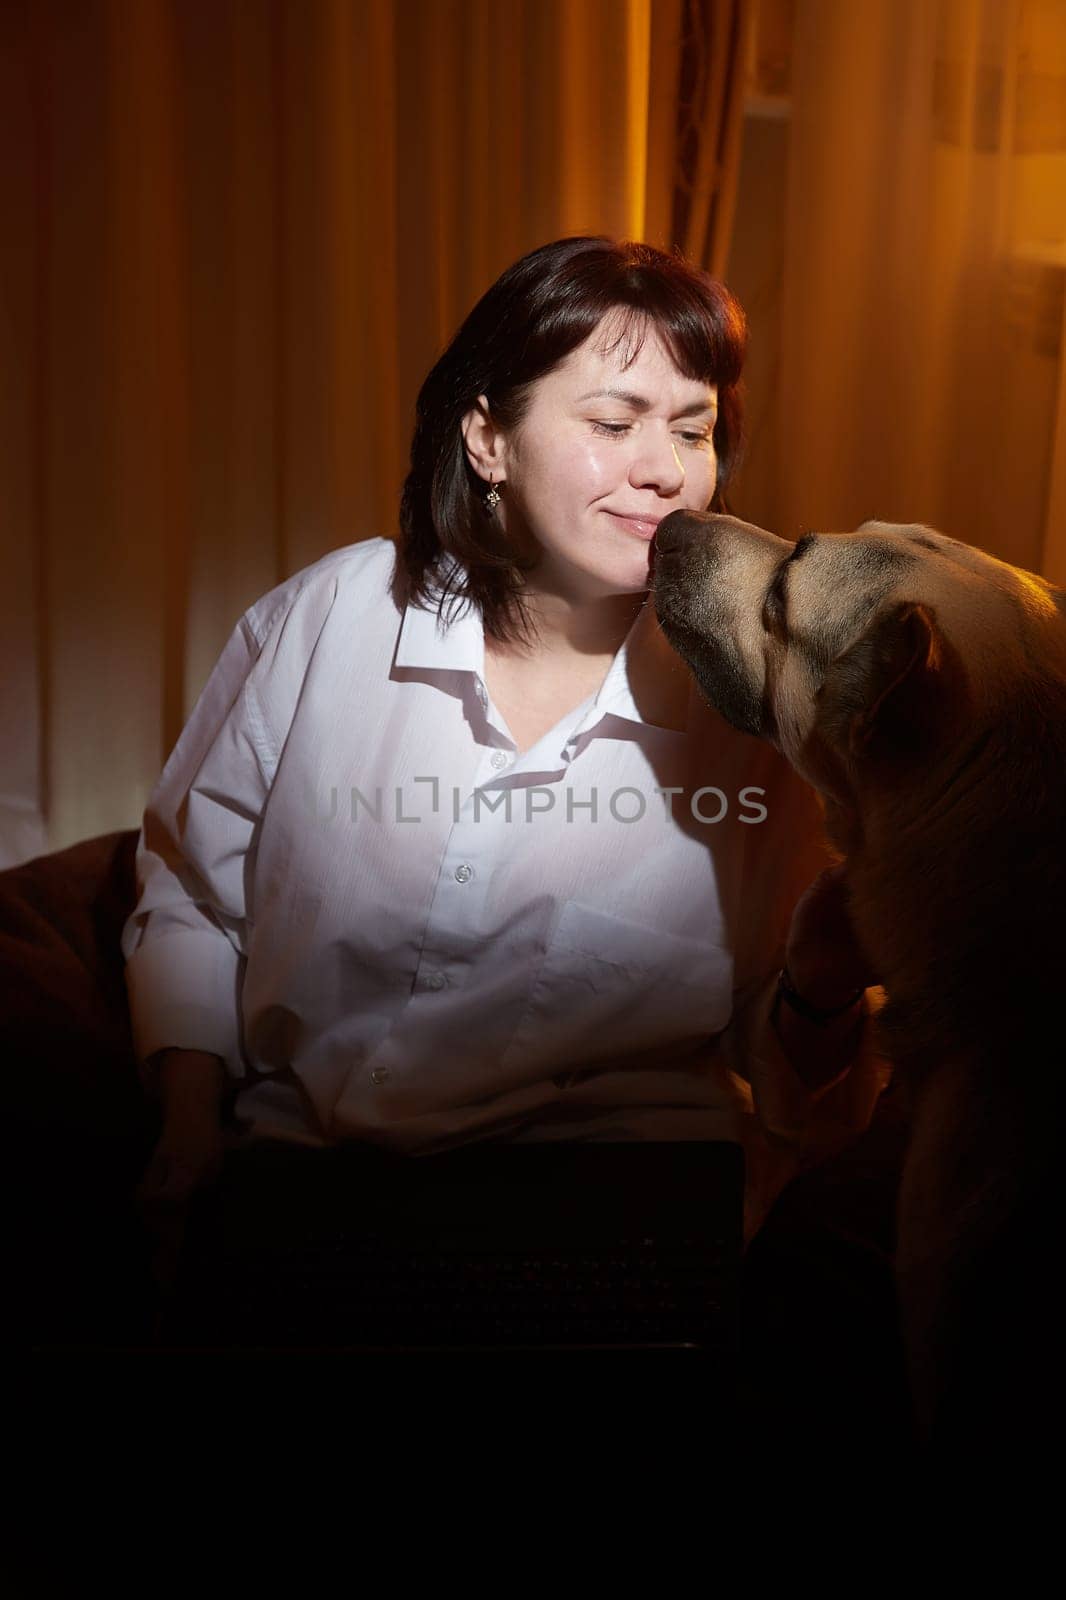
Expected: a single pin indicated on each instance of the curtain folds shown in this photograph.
(237, 234)
(925, 258)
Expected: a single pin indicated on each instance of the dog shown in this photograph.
(919, 685)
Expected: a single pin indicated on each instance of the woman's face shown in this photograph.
(583, 461)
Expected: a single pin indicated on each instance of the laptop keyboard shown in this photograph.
(486, 1248)
(334, 1292)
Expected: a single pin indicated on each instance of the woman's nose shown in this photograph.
(657, 462)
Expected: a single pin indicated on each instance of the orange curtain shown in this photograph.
(694, 135)
(924, 273)
(237, 233)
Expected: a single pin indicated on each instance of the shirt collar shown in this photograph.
(646, 683)
(428, 640)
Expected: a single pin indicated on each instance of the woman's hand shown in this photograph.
(187, 1157)
(824, 959)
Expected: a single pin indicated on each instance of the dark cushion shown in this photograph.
(82, 1126)
(65, 1041)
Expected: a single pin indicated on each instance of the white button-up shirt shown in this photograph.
(394, 927)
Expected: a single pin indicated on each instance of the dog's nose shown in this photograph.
(676, 529)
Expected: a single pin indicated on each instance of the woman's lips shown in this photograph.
(643, 530)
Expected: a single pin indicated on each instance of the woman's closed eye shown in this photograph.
(616, 429)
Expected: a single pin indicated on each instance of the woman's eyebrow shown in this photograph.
(640, 403)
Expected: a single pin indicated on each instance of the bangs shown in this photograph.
(705, 348)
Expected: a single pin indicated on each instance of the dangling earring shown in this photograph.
(492, 498)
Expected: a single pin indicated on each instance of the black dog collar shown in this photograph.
(788, 993)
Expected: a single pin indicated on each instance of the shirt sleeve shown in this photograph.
(783, 854)
(185, 942)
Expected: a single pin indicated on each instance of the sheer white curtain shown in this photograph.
(925, 256)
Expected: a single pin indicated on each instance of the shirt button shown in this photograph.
(379, 1074)
(482, 696)
(500, 758)
(463, 874)
(436, 980)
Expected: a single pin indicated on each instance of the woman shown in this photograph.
(451, 848)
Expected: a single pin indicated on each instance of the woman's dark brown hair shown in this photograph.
(533, 316)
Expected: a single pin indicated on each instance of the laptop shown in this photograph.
(559, 1245)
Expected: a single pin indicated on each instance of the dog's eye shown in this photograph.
(773, 610)
(775, 606)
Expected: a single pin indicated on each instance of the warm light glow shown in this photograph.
(1035, 596)
(638, 88)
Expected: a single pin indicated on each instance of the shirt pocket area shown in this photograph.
(609, 988)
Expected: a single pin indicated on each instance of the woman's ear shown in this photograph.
(484, 442)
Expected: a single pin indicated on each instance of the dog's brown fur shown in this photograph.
(920, 686)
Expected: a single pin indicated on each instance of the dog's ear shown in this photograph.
(881, 689)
